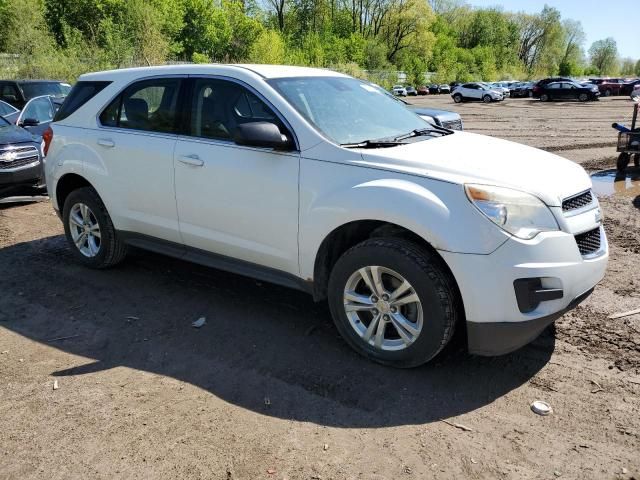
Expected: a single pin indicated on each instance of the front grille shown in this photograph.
(589, 242)
(16, 157)
(578, 201)
(453, 125)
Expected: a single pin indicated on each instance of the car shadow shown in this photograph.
(265, 348)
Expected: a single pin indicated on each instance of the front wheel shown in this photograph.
(607, 93)
(623, 161)
(393, 301)
(486, 99)
(457, 98)
(89, 230)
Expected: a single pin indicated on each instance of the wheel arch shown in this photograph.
(342, 238)
(67, 184)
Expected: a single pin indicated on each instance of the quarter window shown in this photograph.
(149, 105)
(219, 106)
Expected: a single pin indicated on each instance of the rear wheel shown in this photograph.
(583, 97)
(393, 301)
(544, 97)
(486, 99)
(607, 93)
(89, 230)
(623, 161)
(457, 98)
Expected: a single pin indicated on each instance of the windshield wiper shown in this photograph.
(424, 131)
(373, 144)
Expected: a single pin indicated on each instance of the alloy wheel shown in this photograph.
(383, 308)
(85, 230)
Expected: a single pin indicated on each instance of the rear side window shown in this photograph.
(80, 94)
(148, 105)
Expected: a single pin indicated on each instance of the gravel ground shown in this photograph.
(102, 375)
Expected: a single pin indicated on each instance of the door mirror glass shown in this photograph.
(261, 134)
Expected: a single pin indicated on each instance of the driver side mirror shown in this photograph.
(29, 122)
(261, 134)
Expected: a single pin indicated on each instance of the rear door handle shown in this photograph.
(191, 160)
(106, 142)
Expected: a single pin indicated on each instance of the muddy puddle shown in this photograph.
(609, 183)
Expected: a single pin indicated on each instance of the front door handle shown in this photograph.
(106, 142)
(191, 160)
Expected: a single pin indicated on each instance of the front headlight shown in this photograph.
(518, 213)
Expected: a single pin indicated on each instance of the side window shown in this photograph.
(219, 106)
(80, 94)
(148, 105)
(555, 85)
(39, 109)
(5, 109)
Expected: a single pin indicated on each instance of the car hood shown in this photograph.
(471, 158)
(14, 134)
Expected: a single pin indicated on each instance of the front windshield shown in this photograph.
(38, 89)
(347, 110)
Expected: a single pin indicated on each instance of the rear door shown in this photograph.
(134, 165)
(236, 201)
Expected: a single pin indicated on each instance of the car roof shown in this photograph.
(34, 81)
(265, 71)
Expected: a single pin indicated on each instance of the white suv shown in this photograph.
(316, 180)
(476, 91)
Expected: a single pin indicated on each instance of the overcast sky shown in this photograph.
(600, 19)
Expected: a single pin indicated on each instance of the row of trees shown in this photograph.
(64, 38)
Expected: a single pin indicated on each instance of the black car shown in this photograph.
(521, 89)
(628, 87)
(19, 92)
(568, 90)
(540, 84)
(20, 159)
(412, 92)
(434, 89)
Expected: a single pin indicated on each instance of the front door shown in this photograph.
(236, 201)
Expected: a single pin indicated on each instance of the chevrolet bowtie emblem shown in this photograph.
(8, 157)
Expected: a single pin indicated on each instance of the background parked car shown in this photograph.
(399, 91)
(537, 88)
(20, 159)
(568, 91)
(411, 91)
(423, 90)
(608, 86)
(434, 89)
(635, 93)
(627, 87)
(476, 91)
(19, 92)
(444, 88)
(520, 89)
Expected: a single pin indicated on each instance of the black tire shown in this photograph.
(431, 281)
(544, 97)
(607, 93)
(623, 161)
(112, 250)
(583, 97)
(457, 98)
(486, 99)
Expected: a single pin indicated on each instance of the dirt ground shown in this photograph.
(267, 389)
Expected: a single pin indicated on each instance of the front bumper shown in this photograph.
(29, 175)
(496, 323)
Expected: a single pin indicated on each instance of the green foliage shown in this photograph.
(368, 39)
(604, 56)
